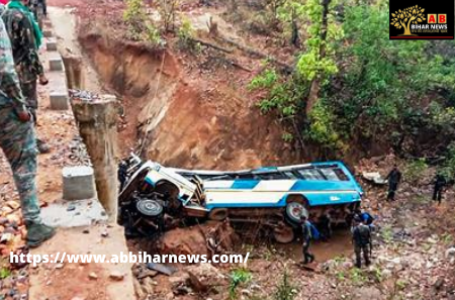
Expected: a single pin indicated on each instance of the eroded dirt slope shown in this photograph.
(182, 118)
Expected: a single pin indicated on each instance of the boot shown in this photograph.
(37, 233)
(42, 147)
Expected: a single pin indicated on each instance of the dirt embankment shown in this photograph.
(180, 119)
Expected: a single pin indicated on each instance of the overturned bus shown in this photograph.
(276, 197)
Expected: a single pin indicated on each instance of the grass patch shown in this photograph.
(285, 289)
(387, 234)
(4, 273)
(238, 277)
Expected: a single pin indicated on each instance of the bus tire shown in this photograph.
(284, 234)
(294, 211)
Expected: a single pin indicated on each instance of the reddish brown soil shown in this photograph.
(193, 118)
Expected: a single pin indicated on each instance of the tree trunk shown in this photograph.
(97, 121)
(315, 84)
(295, 31)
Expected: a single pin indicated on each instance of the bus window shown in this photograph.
(246, 176)
(291, 175)
(334, 174)
(329, 174)
(341, 174)
(271, 176)
(310, 174)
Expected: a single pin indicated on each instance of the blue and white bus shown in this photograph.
(272, 192)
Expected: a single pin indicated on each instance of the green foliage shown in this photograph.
(238, 277)
(341, 276)
(322, 128)
(447, 239)
(387, 234)
(186, 37)
(381, 82)
(267, 79)
(285, 289)
(448, 166)
(318, 60)
(287, 137)
(134, 11)
(401, 284)
(377, 274)
(283, 97)
(371, 89)
(443, 118)
(140, 27)
(168, 12)
(4, 273)
(357, 276)
(414, 169)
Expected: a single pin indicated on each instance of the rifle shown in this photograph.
(371, 245)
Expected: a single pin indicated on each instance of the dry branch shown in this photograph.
(254, 53)
(207, 44)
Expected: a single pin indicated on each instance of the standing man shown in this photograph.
(17, 140)
(394, 179)
(439, 184)
(366, 218)
(26, 37)
(361, 238)
(306, 236)
(325, 225)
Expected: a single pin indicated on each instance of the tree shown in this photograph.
(404, 18)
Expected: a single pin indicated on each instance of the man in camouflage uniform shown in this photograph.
(25, 51)
(17, 139)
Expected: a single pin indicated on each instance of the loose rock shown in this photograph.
(116, 276)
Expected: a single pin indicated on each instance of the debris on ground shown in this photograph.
(205, 239)
(167, 270)
(374, 177)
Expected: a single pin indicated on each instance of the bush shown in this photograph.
(285, 289)
(238, 277)
(267, 79)
(140, 27)
(414, 170)
(186, 37)
(448, 166)
(322, 128)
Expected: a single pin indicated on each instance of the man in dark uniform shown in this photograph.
(306, 237)
(394, 179)
(439, 184)
(25, 37)
(361, 238)
(325, 225)
(17, 140)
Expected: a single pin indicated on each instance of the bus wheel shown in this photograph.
(218, 214)
(283, 234)
(294, 210)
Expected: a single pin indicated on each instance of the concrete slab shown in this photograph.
(55, 63)
(72, 279)
(73, 213)
(51, 44)
(47, 24)
(47, 32)
(59, 101)
(78, 183)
